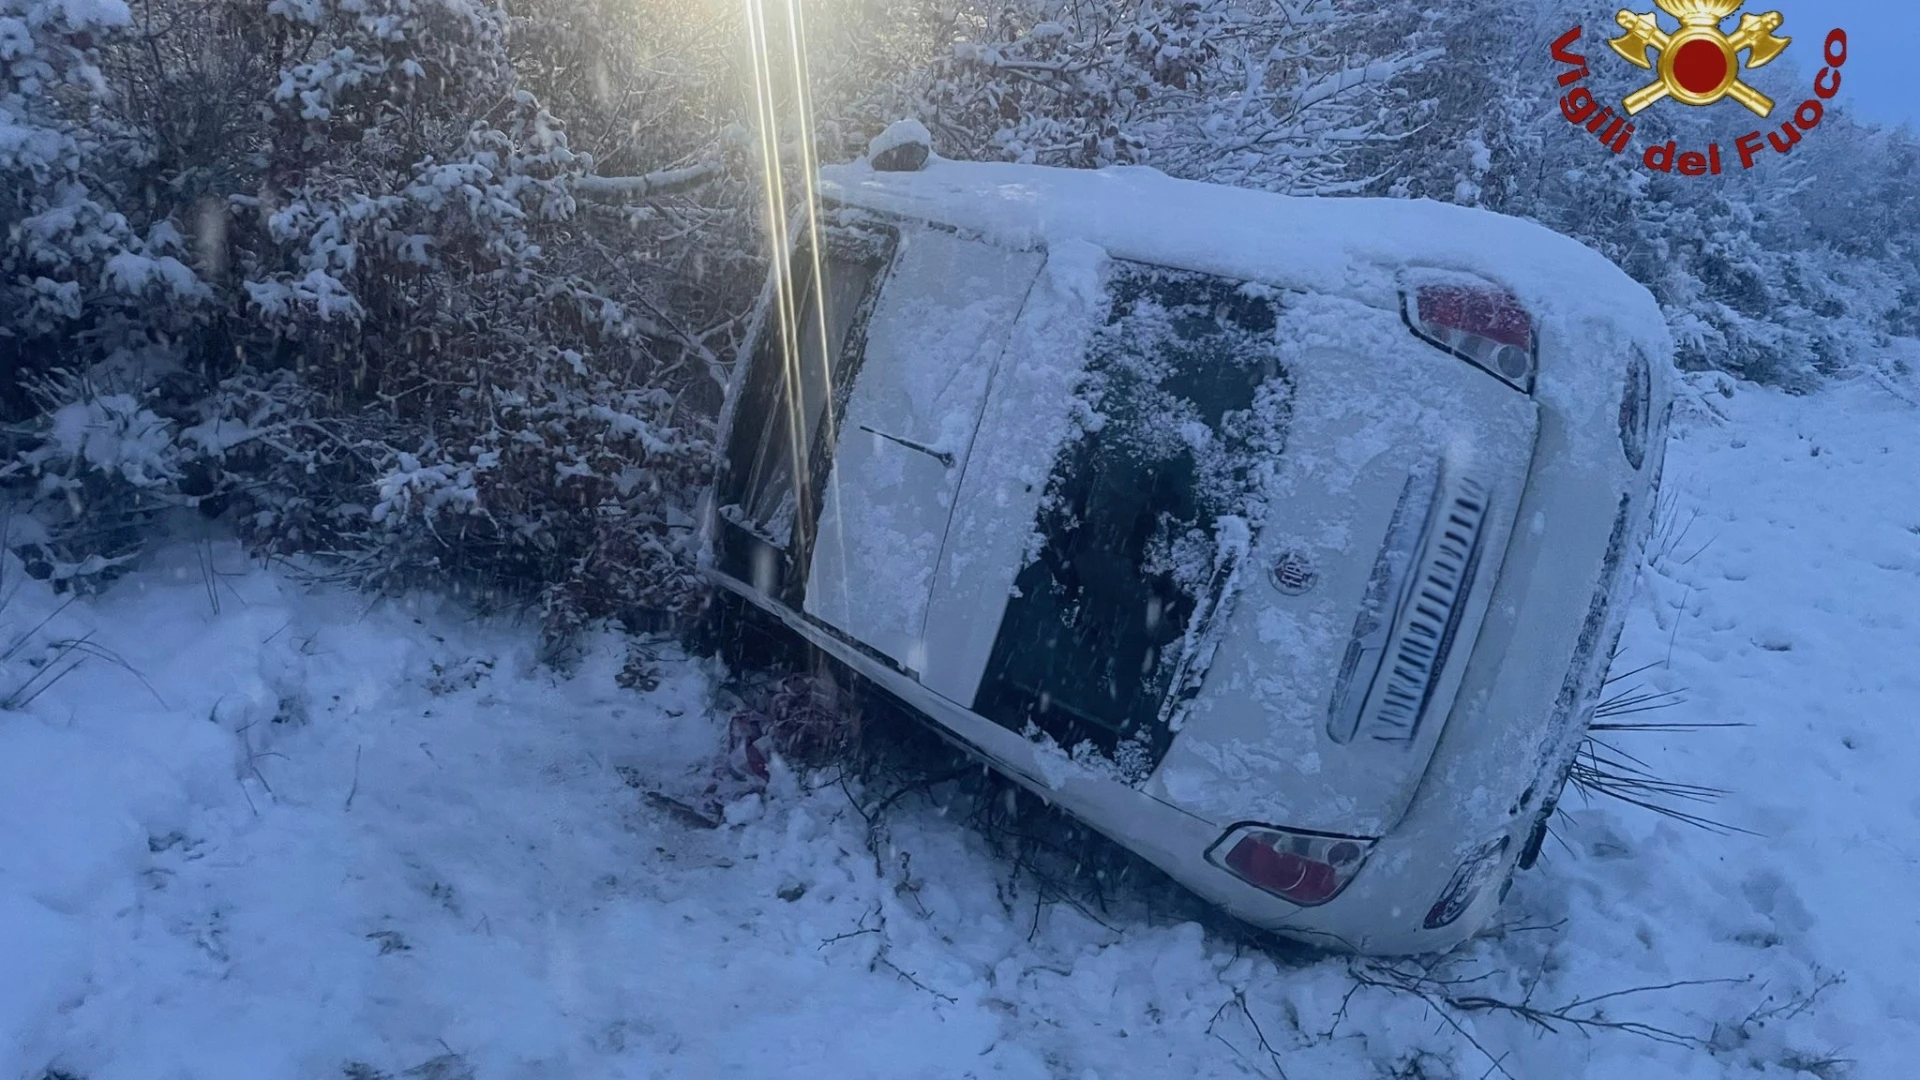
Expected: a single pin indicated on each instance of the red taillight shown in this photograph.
(1488, 313)
(1303, 868)
(1481, 324)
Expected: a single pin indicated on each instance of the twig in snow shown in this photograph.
(872, 834)
(252, 766)
(1416, 984)
(1503, 929)
(1885, 382)
(1239, 999)
(355, 788)
(861, 927)
(1588, 1019)
(924, 785)
(1795, 1004)
(909, 977)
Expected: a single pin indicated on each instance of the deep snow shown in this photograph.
(300, 836)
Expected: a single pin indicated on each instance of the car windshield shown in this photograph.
(1145, 514)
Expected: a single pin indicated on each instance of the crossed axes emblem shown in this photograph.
(1697, 64)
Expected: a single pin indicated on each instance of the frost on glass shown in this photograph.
(1146, 519)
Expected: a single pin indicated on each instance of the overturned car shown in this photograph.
(1281, 540)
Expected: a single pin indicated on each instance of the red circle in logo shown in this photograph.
(1700, 66)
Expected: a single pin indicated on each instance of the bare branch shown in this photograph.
(711, 164)
(653, 185)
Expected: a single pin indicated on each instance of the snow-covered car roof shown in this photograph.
(1354, 247)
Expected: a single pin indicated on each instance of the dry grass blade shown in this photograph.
(45, 677)
(79, 650)
(1677, 725)
(101, 652)
(1629, 673)
(1603, 769)
(1637, 700)
(21, 641)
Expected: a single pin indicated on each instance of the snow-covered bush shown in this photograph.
(104, 465)
(329, 268)
(83, 276)
(570, 480)
(439, 272)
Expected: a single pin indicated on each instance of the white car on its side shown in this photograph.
(1282, 540)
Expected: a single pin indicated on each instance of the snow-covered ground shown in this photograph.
(266, 833)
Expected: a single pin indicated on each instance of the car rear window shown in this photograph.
(1145, 518)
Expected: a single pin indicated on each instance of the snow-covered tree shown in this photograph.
(1280, 94)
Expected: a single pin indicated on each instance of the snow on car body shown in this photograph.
(1279, 539)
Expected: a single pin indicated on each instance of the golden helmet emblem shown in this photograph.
(1698, 64)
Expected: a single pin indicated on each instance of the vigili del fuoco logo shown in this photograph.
(1697, 65)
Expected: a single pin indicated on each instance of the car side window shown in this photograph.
(799, 372)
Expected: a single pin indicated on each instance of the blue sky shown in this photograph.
(1882, 78)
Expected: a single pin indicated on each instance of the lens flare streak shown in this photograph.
(790, 307)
